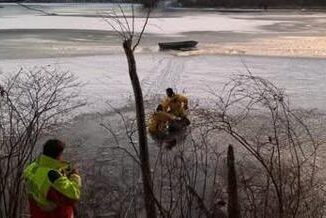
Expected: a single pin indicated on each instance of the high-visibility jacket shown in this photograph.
(51, 193)
(158, 122)
(176, 105)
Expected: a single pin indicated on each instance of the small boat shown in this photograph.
(182, 45)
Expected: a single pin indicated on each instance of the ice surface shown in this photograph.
(106, 77)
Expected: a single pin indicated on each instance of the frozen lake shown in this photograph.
(107, 78)
(78, 40)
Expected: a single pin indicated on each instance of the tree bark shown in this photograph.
(142, 135)
(233, 203)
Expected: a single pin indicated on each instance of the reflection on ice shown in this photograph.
(106, 77)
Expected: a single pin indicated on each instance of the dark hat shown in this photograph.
(53, 148)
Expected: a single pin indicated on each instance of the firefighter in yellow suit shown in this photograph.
(175, 104)
(159, 121)
(53, 187)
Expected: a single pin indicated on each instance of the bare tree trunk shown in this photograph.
(233, 203)
(143, 146)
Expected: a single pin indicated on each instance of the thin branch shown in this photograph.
(143, 30)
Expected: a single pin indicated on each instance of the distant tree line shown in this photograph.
(252, 3)
(146, 3)
(61, 1)
(70, 1)
(203, 3)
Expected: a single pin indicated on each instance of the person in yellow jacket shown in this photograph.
(52, 186)
(175, 104)
(159, 122)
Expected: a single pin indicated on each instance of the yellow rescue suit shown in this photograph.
(176, 105)
(158, 122)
